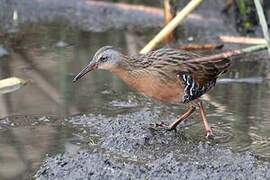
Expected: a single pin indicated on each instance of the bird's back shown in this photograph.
(170, 68)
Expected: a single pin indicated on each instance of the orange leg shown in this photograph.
(182, 118)
(209, 133)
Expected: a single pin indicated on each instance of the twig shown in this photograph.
(241, 40)
(250, 80)
(229, 4)
(228, 54)
(4, 108)
(131, 42)
(168, 16)
(209, 47)
(127, 7)
(263, 22)
(171, 26)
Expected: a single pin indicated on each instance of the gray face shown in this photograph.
(106, 58)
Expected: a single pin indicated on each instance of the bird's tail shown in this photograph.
(222, 65)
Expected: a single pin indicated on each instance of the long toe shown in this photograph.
(171, 128)
(159, 126)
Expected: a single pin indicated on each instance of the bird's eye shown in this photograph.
(103, 58)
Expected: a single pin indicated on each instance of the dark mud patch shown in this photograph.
(204, 163)
(128, 149)
(131, 134)
(86, 15)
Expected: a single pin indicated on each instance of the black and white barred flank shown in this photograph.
(192, 89)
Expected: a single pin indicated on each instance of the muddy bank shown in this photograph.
(85, 15)
(205, 163)
(98, 16)
(127, 148)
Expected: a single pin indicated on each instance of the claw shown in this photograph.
(160, 126)
(172, 128)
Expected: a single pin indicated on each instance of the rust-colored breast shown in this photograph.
(150, 85)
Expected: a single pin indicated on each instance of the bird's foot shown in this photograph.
(172, 128)
(159, 126)
(209, 135)
(162, 126)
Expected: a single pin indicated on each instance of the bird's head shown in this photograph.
(105, 58)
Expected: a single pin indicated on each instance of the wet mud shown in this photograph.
(128, 149)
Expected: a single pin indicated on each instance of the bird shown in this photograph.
(168, 75)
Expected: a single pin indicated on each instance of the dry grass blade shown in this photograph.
(263, 22)
(205, 47)
(168, 16)
(228, 54)
(171, 26)
(241, 40)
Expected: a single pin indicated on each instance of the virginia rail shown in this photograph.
(165, 75)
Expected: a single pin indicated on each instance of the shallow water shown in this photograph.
(24, 147)
(48, 56)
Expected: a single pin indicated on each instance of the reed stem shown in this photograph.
(228, 54)
(263, 22)
(171, 25)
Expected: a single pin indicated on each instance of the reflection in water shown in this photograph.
(23, 148)
(35, 55)
(50, 71)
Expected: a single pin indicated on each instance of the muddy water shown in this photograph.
(48, 56)
(23, 147)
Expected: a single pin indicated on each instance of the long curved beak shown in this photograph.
(88, 68)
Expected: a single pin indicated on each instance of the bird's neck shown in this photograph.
(127, 75)
(125, 64)
(126, 70)
(123, 73)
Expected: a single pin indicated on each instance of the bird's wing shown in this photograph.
(177, 62)
(204, 72)
(200, 77)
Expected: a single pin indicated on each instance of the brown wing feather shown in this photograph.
(170, 62)
(204, 72)
(176, 61)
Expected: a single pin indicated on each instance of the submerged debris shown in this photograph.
(3, 51)
(61, 44)
(11, 84)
